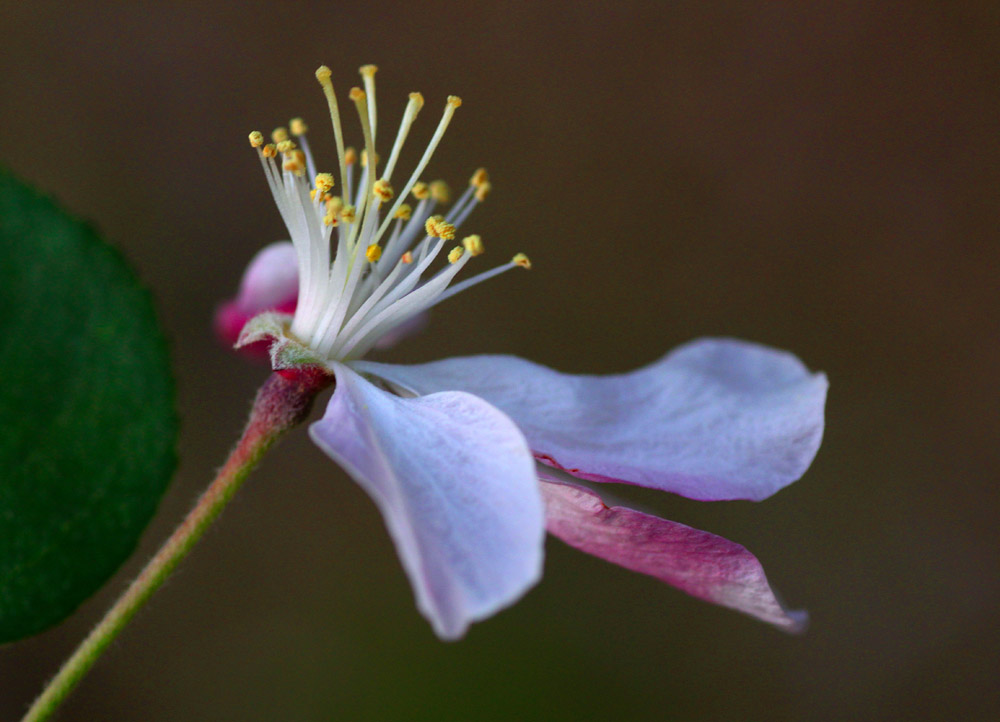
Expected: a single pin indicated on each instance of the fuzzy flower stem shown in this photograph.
(283, 402)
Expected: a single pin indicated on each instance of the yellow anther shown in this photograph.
(383, 189)
(438, 227)
(373, 252)
(483, 191)
(407, 257)
(334, 205)
(421, 190)
(455, 253)
(368, 70)
(454, 101)
(279, 134)
(298, 126)
(521, 260)
(364, 159)
(440, 191)
(285, 146)
(256, 139)
(479, 177)
(404, 212)
(293, 165)
(350, 156)
(312, 195)
(418, 99)
(356, 94)
(431, 224)
(347, 214)
(330, 219)
(324, 182)
(445, 230)
(323, 74)
(474, 245)
(269, 150)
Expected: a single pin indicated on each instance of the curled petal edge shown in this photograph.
(704, 565)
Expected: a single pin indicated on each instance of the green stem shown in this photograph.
(282, 403)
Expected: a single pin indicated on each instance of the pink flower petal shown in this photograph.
(271, 279)
(704, 565)
(715, 419)
(456, 485)
(270, 283)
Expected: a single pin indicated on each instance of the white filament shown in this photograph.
(347, 302)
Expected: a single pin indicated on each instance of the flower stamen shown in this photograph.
(298, 128)
(347, 301)
(323, 75)
(368, 76)
(520, 260)
(474, 245)
(449, 111)
(413, 107)
(421, 191)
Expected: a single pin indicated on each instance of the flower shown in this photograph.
(470, 460)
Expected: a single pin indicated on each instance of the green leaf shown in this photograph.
(86, 411)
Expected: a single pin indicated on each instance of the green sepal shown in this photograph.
(286, 351)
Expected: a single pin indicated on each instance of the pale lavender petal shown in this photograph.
(456, 485)
(715, 419)
(704, 565)
(271, 279)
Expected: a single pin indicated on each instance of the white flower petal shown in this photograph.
(456, 485)
(715, 419)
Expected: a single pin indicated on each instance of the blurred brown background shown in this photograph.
(822, 177)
